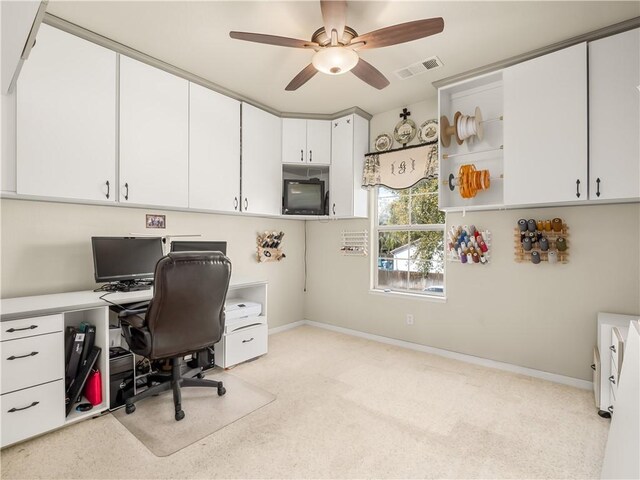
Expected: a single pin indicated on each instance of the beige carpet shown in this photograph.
(153, 422)
(353, 408)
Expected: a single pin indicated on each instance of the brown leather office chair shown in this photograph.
(185, 315)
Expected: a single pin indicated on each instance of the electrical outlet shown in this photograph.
(409, 319)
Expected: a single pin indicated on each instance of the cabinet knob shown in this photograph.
(311, 155)
(30, 327)
(597, 187)
(108, 189)
(247, 341)
(302, 155)
(610, 408)
(578, 188)
(612, 379)
(333, 209)
(246, 204)
(126, 193)
(235, 203)
(613, 348)
(593, 366)
(14, 357)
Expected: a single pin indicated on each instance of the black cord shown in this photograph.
(305, 255)
(109, 301)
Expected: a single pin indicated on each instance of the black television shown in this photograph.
(198, 246)
(303, 197)
(125, 259)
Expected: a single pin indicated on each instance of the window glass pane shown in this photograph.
(393, 209)
(425, 186)
(427, 252)
(424, 209)
(421, 282)
(393, 245)
(392, 274)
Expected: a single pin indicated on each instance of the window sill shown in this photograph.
(397, 294)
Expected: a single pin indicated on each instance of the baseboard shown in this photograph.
(286, 327)
(552, 377)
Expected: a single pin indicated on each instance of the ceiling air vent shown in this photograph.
(430, 63)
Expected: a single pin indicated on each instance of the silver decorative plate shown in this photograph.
(383, 142)
(428, 131)
(405, 131)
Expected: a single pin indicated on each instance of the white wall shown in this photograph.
(46, 248)
(537, 316)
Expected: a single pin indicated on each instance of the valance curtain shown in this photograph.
(402, 168)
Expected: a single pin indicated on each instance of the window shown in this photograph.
(410, 237)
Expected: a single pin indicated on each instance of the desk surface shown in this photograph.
(38, 305)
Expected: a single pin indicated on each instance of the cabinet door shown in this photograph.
(154, 133)
(341, 184)
(545, 129)
(614, 117)
(66, 119)
(319, 142)
(261, 161)
(294, 140)
(214, 150)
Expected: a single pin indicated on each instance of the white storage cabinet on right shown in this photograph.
(614, 117)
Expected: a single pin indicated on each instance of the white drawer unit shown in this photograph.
(32, 361)
(27, 327)
(31, 411)
(244, 343)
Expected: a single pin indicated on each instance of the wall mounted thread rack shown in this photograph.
(523, 256)
(474, 246)
(355, 243)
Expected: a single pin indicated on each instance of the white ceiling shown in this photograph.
(195, 37)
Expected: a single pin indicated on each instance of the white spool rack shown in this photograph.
(355, 243)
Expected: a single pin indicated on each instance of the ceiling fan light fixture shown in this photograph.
(335, 60)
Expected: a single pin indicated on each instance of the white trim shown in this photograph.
(288, 326)
(485, 362)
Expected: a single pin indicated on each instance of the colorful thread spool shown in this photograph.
(561, 244)
(522, 225)
(531, 225)
(556, 223)
(544, 244)
(552, 256)
(527, 244)
(535, 257)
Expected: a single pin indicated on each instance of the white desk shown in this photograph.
(33, 384)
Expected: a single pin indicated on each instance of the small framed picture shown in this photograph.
(156, 221)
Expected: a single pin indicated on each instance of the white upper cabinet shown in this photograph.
(349, 142)
(66, 119)
(614, 117)
(154, 136)
(545, 129)
(214, 150)
(261, 161)
(306, 141)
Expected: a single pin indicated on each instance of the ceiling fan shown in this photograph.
(336, 44)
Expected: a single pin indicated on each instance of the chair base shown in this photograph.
(173, 381)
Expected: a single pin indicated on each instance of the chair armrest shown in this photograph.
(134, 318)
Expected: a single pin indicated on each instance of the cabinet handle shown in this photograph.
(334, 208)
(612, 379)
(613, 348)
(108, 189)
(302, 155)
(311, 155)
(235, 203)
(610, 408)
(597, 187)
(14, 357)
(247, 341)
(578, 188)
(246, 204)
(30, 327)
(14, 409)
(593, 366)
(126, 195)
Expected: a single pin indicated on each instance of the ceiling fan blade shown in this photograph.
(370, 74)
(401, 33)
(334, 16)
(303, 77)
(272, 40)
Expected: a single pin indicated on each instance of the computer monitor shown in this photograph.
(198, 246)
(125, 259)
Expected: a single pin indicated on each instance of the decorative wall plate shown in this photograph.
(405, 131)
(383, 142)
(428, 131)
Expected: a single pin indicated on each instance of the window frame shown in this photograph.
(376, 229)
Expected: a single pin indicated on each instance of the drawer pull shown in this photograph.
(593, 366)
(31, 327)
(14, 409)
(247, 341)
(610, 408)
(14, 357)
(613, 348)
(612, 379)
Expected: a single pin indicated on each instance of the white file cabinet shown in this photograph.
(32, 377)
(245, 333)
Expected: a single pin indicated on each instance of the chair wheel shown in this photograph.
(221, 391)
(130, 408)
(179, 415)
(200, 375)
